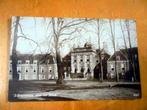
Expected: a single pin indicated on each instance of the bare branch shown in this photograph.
(123, 34)
(27, 38)
(74, 24)
(70, 33)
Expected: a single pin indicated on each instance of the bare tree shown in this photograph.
(61, 28)
(99, 47)
(123, 34)
(130, 53)
(18, 29)
(112, 31)
(14, 51)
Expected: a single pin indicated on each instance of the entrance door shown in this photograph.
(97, 72)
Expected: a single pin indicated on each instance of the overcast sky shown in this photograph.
(37, 29)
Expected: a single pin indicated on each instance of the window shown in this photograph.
(75, 61)
(123, 68)
(18, 71)
(97, 61)
(50, 70)
(112, 69)
(10, 71)
(42, 70)
(26, 71)
(87, 60)
(34, 71)
(75, 70)
(88, 70)
(82, 70)
(81, 60)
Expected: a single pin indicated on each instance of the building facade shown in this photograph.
(35, 67)
(124, 63)
(83, 61)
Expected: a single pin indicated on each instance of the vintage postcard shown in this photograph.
(54, 59)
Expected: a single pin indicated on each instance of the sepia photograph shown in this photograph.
(66, 59)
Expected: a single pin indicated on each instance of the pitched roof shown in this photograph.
(124, 54)
(41, 58)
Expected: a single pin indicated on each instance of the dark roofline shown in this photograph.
(42, 58)
(123, 51)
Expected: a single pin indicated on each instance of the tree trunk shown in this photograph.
(99, 47)
(15, 76)
(132, 65)
(113, 43)
(60, 68)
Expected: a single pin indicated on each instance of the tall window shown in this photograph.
(88, 70)
(82, 70)
(75, 61)
(75, 70)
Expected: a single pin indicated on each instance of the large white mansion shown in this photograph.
(83, 61)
